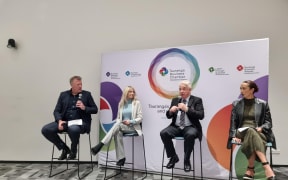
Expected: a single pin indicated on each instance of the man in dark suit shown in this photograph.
(73, 104)
(185, 111)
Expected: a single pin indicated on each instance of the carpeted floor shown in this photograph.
(21, 171)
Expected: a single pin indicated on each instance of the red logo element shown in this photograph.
(240, 68)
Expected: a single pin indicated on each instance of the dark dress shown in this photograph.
(251, 139)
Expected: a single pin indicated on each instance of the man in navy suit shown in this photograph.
(73, 104)
(185, 111)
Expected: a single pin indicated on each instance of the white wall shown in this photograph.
(58, 39)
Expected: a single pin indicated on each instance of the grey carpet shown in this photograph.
(40, 171)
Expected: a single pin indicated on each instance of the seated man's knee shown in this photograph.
(45, 130)
(74, 129)
(190, 136)
(163, 133)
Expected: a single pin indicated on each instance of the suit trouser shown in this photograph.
(189, 133)
(116, 131)
(50, 132)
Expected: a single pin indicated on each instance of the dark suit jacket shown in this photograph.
(195, 112)
(262, 117)
(87, 99)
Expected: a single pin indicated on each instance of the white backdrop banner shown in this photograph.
(215, 71)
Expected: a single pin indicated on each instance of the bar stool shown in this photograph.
(132, 135)
(268, 144)
(193, 161)
(67, 161)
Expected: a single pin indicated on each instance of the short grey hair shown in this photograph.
(186, 83)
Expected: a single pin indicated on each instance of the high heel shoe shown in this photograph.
(97, 148)
(121, 162)
(271, 177)
(247, 176)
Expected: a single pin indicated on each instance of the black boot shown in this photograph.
(97, 148)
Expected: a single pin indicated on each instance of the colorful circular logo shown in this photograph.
(159, 75)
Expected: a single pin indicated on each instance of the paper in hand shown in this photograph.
(75, 122)
(242, 129)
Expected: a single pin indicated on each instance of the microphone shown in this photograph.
(181, 101)
(79, 99)
(80, 96)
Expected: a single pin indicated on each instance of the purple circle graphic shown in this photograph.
(262, 84)
(112, 94)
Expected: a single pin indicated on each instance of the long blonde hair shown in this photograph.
(124, 98)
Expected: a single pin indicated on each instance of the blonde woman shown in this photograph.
(128, 119)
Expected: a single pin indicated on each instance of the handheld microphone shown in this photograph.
(179, 101)
(80, 96)
(79, 99)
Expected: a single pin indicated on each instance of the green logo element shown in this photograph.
(211, 69)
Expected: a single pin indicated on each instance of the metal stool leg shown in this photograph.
(90, 152)
(106, 164)
(51, 164)
(106, 159)
(162, 162)
(172, 170)
(78, 164)
(201, 159)
(271, 161)
(78, 160)
(132, 157)
(193, 154)
(231, 162)
(144, 157)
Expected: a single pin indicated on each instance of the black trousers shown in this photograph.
(189, 133)
(50, 131)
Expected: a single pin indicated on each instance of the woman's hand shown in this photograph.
(259, 129)
(236, 140)
(126, 122)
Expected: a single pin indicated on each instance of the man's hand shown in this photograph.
(183, 107)
(80, 105)
(173, 109)
(60, 125)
